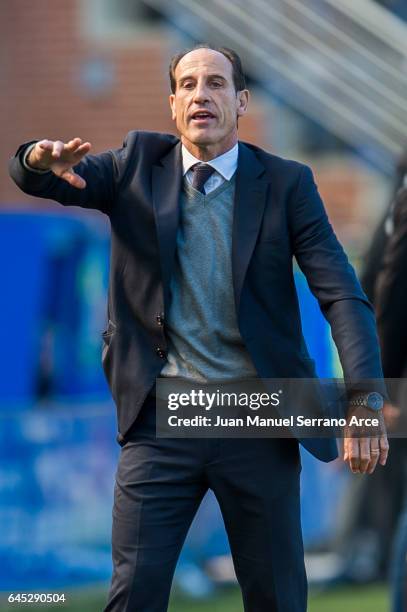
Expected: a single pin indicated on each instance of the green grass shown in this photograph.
(344, 599)
(355, 599)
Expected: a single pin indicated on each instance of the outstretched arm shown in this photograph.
(333, 282)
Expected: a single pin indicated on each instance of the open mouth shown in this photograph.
(202, 116)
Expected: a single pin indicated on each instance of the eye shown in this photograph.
(188, 85)
(216, 84)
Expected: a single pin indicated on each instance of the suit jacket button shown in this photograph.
(120, 439)
(160, 320)
(160, 352)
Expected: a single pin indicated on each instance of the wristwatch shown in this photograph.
(373, 401)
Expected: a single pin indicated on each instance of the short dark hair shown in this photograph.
(239, 80)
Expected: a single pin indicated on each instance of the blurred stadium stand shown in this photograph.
(340, 63)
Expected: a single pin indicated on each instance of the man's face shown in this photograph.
(205, 105)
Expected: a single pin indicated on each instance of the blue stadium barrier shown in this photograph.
(53, 305)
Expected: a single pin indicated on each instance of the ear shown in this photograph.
(172, 105)
(242, 102)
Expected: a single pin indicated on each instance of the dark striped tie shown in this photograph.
(201, 174)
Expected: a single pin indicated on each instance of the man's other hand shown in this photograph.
(363, 453)
(60, 157)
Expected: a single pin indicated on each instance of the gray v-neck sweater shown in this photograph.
(204, 340)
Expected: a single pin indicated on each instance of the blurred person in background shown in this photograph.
(204, 229)
(374, 256)
(391, 306)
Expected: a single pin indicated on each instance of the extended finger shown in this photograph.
(354, 456)
(82, 149)
(345, 449)
(364, 450)
(384, 449)
(73, 144)
(374, 455)
(73, 179)
(57, 148)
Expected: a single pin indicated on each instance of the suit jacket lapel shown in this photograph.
(250, 199)
(167, 177)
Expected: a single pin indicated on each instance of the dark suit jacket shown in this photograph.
(278, 214)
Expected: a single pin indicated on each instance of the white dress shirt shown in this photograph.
(225, 166)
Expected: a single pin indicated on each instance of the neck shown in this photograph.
(207, 152)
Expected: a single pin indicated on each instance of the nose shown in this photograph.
(201, 94)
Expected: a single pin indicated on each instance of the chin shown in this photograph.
(202, 138)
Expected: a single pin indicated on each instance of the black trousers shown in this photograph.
(159, 486)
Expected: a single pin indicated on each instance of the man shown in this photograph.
(201, 287)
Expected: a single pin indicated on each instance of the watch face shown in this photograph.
(375, 401)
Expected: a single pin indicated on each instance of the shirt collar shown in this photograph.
(224, 164)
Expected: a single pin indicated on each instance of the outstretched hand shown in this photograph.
(60, 157)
